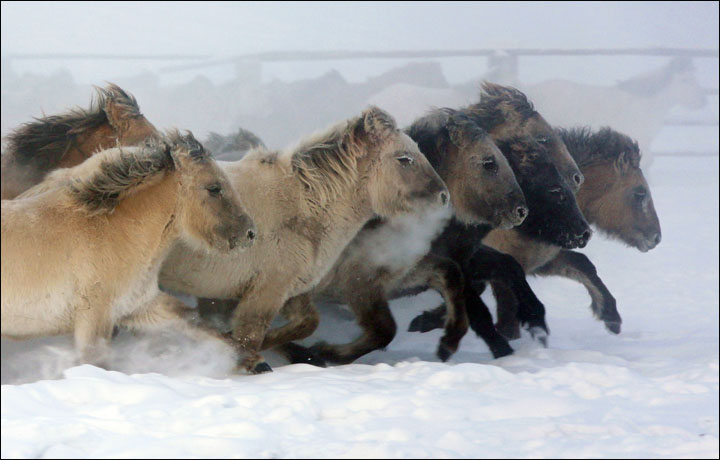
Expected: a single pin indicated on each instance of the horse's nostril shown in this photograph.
(251, 235)
(586, 236)
(579, 178)
(444, 198)
(656, 238)
(521, 212)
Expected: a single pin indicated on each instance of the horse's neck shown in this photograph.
(343, 218)
(88, 144)
(151, 215)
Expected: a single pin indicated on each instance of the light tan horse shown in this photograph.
(83, 254)
(308, 203)
(62, 141)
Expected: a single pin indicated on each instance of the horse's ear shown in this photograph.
(622, 162)
(461, 129)
(186, 150)
(378, 125)
(118, 114)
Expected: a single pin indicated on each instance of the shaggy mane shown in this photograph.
(495, 101)
(606, 145)
(121, 170)
(326, 163)
(45, 141)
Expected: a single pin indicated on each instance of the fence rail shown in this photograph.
(336, 55)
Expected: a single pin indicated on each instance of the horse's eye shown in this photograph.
(405, 160)
(555, 190)
(214, 190)
(640, 194)
(489, 164)
(543, 139)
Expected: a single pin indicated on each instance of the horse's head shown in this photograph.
(211, 213)
(506, 112)
(554, 215)
(400, 178)
(683, 86)
(616, 197)
(483, 188)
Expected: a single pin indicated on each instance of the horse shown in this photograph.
(84, 254)
(62, 141)
(615, 199)
(308, 203)
(636, 106)
(390, 257)
(232, 147)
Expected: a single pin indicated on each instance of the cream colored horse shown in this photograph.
(82, 251)
(307, 203)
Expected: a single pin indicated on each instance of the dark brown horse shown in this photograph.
(62, 141)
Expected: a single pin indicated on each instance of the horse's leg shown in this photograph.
(429, 319)
(303, 320)
(445, 276)
(251, 321)
(378, 329)
(216, 312)
(577, 266)
(93, 330)
(487, 264)
(507, 322)
(168, 312)
(479, 318)
(482, 323)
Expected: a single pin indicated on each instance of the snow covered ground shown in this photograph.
(652, 391)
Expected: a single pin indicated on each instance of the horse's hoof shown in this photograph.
(444, 352)
(613, 326)
(261, 368)
(501, 349)
(540, 334)
(297, 354)
(426, 321)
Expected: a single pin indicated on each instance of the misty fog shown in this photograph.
(53, 52)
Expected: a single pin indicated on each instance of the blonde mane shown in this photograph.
(326, 163)
(117, 173)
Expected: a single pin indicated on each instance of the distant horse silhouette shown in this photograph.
(636, 107)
